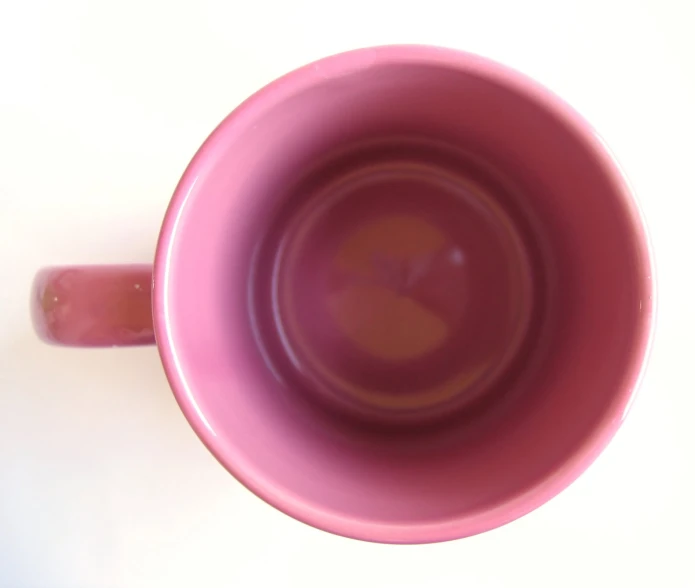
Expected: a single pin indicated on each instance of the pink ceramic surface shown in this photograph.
(403, 294)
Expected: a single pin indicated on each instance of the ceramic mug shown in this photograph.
(403, 294)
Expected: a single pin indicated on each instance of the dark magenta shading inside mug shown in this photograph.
(404, 294)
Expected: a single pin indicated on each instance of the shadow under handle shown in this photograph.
(94, 306)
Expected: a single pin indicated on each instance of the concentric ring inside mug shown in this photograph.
(401, 288)
(567, 294)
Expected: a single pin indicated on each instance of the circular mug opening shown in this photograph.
(403, 294)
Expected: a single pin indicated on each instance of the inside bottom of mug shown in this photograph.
(399, 284)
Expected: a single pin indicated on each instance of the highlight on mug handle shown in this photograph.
(94, 306)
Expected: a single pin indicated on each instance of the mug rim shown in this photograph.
(297, 507)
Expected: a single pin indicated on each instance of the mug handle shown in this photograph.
(94, 306)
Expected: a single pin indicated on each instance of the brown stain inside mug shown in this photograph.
(383, 261)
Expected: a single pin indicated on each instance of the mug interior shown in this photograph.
(403, 294)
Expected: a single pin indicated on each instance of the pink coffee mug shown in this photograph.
(403, 294)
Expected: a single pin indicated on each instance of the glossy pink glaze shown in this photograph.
(403, 294)
(94, 306)
(252, 404)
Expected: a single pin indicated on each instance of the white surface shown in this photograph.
(103, 484)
